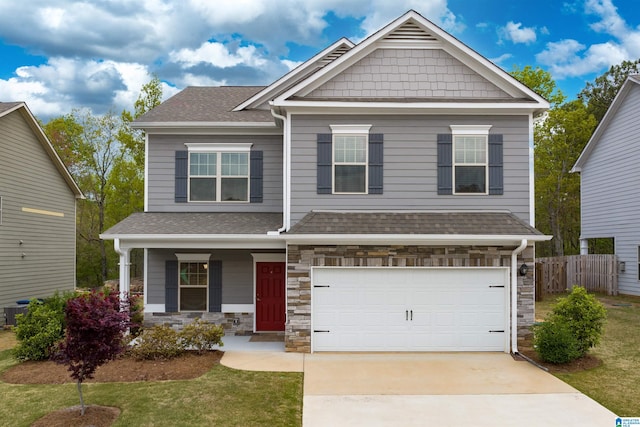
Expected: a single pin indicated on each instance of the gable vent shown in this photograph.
(410, 31)
(332, 56)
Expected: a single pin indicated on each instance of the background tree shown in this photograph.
(599, 94)
(94, 334)
(559, 138)
(106, 158)
(541, 82)
(558, 141)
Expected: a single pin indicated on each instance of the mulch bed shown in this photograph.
(188, 366)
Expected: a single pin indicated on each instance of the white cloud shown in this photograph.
(500, 59)
(515, 33)
(291, 64)
(218, 55)
(570, 58)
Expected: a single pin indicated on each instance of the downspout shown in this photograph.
(285, 170)
(514, 295)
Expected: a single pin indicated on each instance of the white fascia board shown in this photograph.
(414, 239)
(325, 107)
(604, 123)
(210, 128)
(190, 241)
(267, 93)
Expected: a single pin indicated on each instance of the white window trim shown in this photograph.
(346, 130)
(186, 257)
(469, 130)
(219, 148)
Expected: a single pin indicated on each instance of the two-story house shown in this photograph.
(608, 168)
(376, 198)
(37, 211)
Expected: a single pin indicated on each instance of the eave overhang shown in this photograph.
(209, 128)
(415, 239)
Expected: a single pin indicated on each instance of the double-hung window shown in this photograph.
(350, 158)
(470, 159)
(219, 172)
(193, 282)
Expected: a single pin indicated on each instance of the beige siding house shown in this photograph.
(37, 211)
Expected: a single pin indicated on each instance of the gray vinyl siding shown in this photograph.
(237, 274)
(29, 179)
(609, 186)
(409, 73)
(410, 165)
(161, 174)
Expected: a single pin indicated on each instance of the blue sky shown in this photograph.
(63, 54)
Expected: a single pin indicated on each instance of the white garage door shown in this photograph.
(409, 309)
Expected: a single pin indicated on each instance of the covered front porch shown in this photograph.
(196, 267)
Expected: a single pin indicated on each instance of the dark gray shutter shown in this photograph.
(255, 188)
(182, 174)
(445, 163)
(376, 156)
(496, 174)
(324, 163)
(215, 286)
(171, 286)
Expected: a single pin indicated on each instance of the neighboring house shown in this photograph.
(37, 211)
(608, 169)
(376, 198)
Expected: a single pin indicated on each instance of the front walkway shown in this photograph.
(241, 353)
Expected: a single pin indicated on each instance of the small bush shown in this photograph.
(158, 342)
(201, 335)
(584, 315)
(41, 328)
(555, 342)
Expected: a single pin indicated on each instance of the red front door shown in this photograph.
(270, 301)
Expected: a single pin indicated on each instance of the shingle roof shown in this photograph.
(5, 106)
(428, 223)
(201, 223)
(207, 104)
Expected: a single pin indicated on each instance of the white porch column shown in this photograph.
(125, 265)
(584, 247)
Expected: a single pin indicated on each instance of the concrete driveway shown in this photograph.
(440, 389)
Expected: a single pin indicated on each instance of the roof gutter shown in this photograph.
(286, 174)
(514, 295)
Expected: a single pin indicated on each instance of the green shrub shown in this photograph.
(584, 315)
(158, 342)
(41, 328)
(201, 335)
(555, 342)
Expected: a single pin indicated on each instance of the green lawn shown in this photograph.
(222, 397)
(616, 383)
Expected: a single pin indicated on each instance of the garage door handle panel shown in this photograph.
(406, 315)
(320, 330)
(411, 315)
(497, 331)
(496, 286)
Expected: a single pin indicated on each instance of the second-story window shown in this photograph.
(350, 163)
(350, 158)
(218, 175)
(470, 163)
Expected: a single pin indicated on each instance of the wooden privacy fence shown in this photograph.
(596, 273)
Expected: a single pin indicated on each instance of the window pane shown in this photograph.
(350, 179)
(235, 164)
(470, 149)
(470, 179)
(193, 299)
(350, 148)
(202, 189)
(234, 189)
(202, 164)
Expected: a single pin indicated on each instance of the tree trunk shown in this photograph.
(79, 384)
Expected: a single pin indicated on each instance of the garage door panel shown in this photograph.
(409, 309)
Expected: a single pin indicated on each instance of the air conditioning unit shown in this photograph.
(11, 312)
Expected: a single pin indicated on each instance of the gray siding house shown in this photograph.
(608, 169)
(37, 211)
(376, 198)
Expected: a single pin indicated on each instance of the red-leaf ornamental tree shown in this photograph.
(96, 324)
